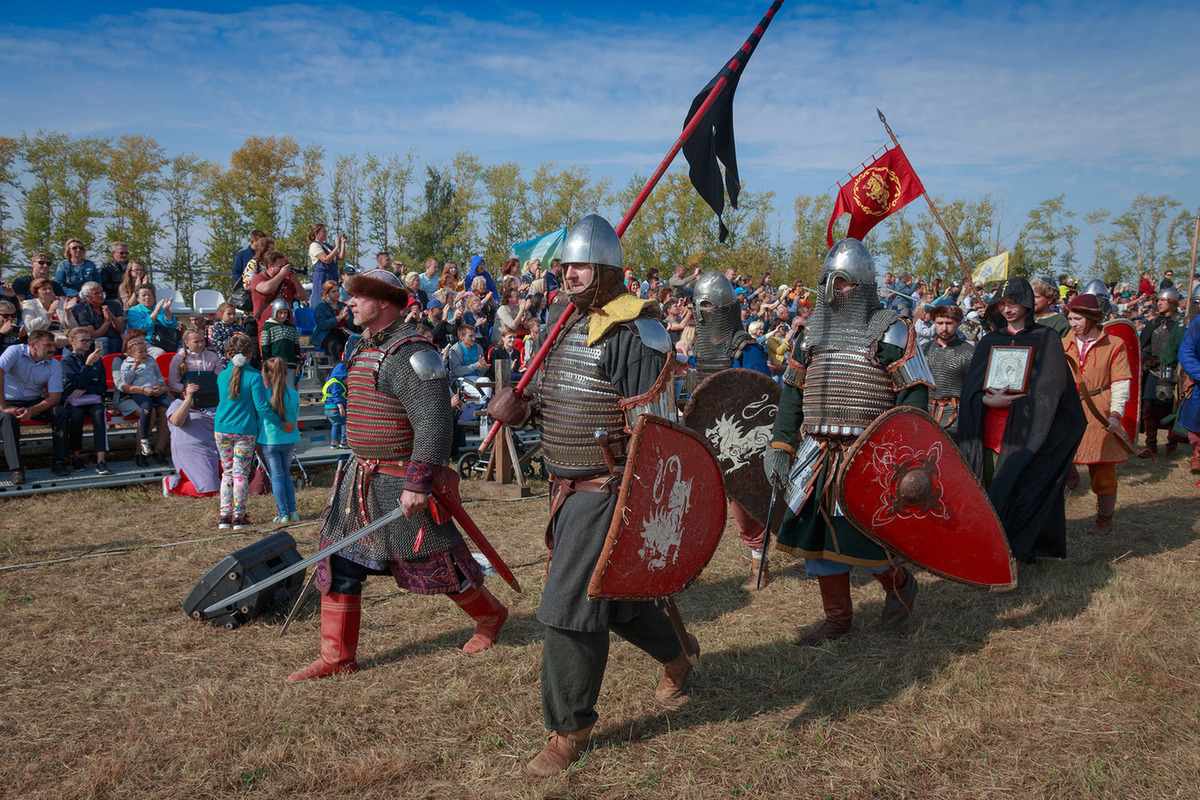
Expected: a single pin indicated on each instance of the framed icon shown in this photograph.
(1008, 368)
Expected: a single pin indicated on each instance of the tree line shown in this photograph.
(186, 217)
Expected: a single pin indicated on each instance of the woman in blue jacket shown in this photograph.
(243, 402)
(278, 444)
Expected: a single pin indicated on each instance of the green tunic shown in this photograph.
(807, 533)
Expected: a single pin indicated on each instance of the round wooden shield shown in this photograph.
(1124, 329)
(669, 518)
(734, 410)
(904, 484)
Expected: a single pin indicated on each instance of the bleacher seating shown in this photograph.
(205, 301)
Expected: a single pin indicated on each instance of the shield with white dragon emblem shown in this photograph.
(734, 410)
(669, 517)
(904, 484)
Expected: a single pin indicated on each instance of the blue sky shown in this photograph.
(1020, 100)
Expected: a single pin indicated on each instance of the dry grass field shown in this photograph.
(1082, 683)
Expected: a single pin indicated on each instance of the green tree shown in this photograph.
(265, 170)
(60, 202)
(181, 188)
(1178, 256)
(9, 150)
(1050, 236)
(347, 202)
(135, 166)
(1096, 219)
(809, 245)
(559, 198)
(1138, 234)
(228, 230)
(309, 207)
(503, 193)
(438, 225)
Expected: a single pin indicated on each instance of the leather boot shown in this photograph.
(751, 584)
(1105, 506)
(675, 675)
(1151, 430)
(561, 751)
(839, 610)
(489, 615)
(901, 588)
(341, 615)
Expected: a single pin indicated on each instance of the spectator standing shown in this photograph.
(193, 448)
(104, 318)
(383, 260)
(449, 279)
(323, 258)
(412, 281)
(75, 269)
(84, 387)
(280, 339)
(533, 271)
(333, 393)
(31, 387)
(277, 281)
(243, 401)
(113, 271)
(278, 445)
(1168, 281)
(142, 381)
(40, 265)
(245, 256)
(258, 263)
(1044, 298)
(553, 278)
(678, 282)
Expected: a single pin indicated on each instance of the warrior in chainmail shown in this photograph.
(399, 426)
(857, 360)
(1099, 288)
(609, 364)
(948, 357)
(1160, 340)
(722, 343)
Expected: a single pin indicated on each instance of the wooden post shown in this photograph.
(503, 475)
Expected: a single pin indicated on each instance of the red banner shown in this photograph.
(883, 188)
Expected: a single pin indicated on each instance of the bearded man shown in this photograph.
(609, 365)
(948, 356)
(857, 359)
(400, 427)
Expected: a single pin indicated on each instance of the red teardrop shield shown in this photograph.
(1123, 329)
(904, 484)
(669, 518)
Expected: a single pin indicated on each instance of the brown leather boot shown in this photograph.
(751, 584)
(901, 588)
(839, 610)
(675, 675)
(561, 751)
(1105, 506)
(489, 615)
(341, 616)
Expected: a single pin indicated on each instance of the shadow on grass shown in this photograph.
(870, 668)
(518, 631)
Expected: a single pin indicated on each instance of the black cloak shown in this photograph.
(1043, 431)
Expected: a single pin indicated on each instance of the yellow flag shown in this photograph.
(994, 269)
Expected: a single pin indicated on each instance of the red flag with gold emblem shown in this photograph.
(883, 188)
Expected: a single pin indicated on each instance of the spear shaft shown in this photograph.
(732, 67)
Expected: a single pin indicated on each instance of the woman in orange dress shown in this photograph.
(1104, 364)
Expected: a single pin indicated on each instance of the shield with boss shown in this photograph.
(904, 484)
(669, 517)
(734, 410)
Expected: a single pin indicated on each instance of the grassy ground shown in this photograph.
(1084, 682)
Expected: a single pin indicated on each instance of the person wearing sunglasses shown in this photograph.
(76, 269)
(40, 263)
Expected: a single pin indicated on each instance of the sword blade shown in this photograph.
(308, 584)
(229, 603)
(762, 562)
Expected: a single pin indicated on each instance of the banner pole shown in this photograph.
(970, 281)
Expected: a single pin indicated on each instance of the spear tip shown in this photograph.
(882, 118)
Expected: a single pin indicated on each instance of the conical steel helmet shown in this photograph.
(593, 241)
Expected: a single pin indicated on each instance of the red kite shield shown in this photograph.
(734, 410)
(904, 484)
(1124, 330)
(669, 518)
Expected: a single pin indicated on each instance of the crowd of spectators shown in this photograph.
(87, 313)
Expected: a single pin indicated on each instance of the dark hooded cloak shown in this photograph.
(1043, 430)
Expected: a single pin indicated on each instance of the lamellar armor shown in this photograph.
(720, 337)
(577, 398)
(400, 427)
(948, 365)
(844, 386)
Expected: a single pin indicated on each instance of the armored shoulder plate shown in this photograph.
(427, 364)
(897, 334)
(653, 334)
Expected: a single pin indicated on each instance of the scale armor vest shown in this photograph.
(1160, 335)
(845, 388)
(377, 424)
(578, 399)
(949, 367)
